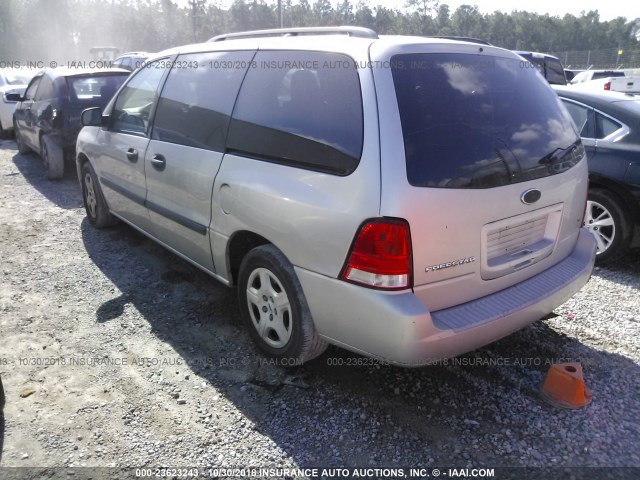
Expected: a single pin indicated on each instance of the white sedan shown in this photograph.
(11, 81)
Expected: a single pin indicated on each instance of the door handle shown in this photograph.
(158, 162)
(132, 155)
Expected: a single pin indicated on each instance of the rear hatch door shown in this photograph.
(483, 161)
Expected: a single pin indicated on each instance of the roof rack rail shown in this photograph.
(461, 39)
(360, 32)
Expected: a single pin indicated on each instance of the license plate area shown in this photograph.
(518, 242)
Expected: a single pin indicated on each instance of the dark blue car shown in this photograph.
(609, 125)
(47, 117)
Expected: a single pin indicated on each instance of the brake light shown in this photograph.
(607, 86)
(380, 256)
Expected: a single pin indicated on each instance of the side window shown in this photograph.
(195, 105)
(134, 103)
(580, 116)
(30, 93)
(302, 109)
(45, 90)
(605, 126)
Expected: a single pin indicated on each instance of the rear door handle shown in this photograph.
(132, 155)
(158, 162)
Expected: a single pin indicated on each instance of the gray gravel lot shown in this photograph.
(114, 352)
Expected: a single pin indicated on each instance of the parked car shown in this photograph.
(406, 198)
(612, 84)
(609, 124)
(550, 67)
(130, 60)
(589, 75)
(12, 81)
(47, 117)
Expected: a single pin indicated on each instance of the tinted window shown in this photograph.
(555, 72)
(580, 116)
(476, 121)
(597, 75)
(133, 106)
(605, 126)
(197, 99)
(302, 109)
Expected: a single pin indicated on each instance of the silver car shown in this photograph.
(406, 198)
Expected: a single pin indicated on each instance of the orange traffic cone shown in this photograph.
(563, 386)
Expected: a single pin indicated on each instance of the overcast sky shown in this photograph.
(608, 10)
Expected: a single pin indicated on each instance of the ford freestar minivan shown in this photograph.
(405, 198)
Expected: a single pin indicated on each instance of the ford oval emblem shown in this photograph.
(530, 196)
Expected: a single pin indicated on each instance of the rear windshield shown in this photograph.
(474, 121)
(95, 89)
(613, 73)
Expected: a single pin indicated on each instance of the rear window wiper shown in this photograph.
(557, 154)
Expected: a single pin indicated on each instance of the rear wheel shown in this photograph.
(53, 157)
(274, 308)
(607, 220)
(3, 133)
(94, 203)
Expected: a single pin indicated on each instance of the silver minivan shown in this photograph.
(406, 198)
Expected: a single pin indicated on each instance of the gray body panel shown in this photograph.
(179, 198)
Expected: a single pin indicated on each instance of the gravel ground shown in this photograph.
(116, 353)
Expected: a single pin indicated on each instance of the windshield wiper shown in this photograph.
(557, 154)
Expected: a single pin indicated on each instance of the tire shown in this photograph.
(94, 202)
(53, 157)
(4, 134)
(274, 309)
(22, 147)
(607, 220)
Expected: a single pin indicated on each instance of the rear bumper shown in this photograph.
(396, 326)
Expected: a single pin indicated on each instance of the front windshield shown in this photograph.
(17, 78)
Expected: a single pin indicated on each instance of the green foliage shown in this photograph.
(67, 29)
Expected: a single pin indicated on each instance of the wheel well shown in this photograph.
(240, 244)
(80, 161)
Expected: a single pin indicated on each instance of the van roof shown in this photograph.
(330, 40)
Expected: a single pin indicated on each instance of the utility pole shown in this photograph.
(280, 13)
(195, 6)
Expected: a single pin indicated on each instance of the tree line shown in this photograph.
(67, 29)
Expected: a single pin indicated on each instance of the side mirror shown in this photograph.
(13, 97)
(92, 117)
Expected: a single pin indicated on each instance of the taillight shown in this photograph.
(380, 256)
(607, 86)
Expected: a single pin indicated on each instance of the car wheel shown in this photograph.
(52, 157)
(606, 219)
(94, 203)
(22, 147)
(274, 308)
(3, 133)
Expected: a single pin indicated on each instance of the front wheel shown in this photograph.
(274, 308)
(607, 220)
(94, 203)
(22, 147)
